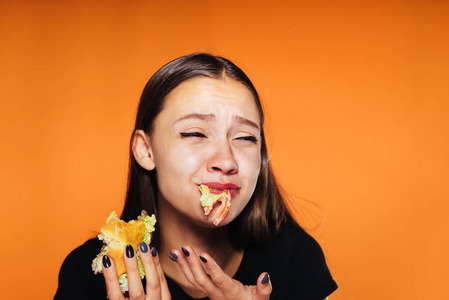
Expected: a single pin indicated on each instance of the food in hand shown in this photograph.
(208, 200)
(116, 234)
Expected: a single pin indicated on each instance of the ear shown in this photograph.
(142, 151)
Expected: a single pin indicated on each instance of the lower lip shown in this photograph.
(232, 192)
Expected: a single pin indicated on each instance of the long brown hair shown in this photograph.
(265, 211)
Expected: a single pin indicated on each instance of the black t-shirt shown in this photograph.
(293, 259)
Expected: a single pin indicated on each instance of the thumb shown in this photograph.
(264, 288)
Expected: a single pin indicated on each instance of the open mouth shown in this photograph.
(219, 188)
(211, 193)
(232, 192)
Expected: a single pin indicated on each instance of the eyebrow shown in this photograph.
(211, 117)
(245, 121)
(197, 116)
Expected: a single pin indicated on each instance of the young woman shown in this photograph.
(200, 122)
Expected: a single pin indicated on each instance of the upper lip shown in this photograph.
(221, 186)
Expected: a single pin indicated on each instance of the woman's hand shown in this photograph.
(205, 274)
(156, 286)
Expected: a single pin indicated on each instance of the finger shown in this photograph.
(132, 269)
(181, 259)
(220, 279)
(165, 293)
(152, 277)
(202, 279)
(111, 279)
(264, 288)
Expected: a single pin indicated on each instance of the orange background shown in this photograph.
(356, 94)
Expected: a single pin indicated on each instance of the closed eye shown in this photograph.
(192, 134)
(248, 138)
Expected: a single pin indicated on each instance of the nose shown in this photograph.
(223, 160)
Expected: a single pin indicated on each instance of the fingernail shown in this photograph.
(186, 253)
(143, 247)
(265, 279)
(129, 251)
(203, 259)
(106, 261)
(173, 256)
(154, 251)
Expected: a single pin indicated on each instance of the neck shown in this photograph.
(177, 232)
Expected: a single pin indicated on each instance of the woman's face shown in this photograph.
(207, 133)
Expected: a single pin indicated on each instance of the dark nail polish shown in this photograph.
(106, 261)
(265, 279)
(153, 251)
(186, 253)
(173, 256)
(129, 251)
(143, 247)
(203, 259)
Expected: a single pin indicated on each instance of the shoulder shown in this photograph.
(292, 233)
(81, 258)
(297, 248)
(293, 239)
(302, 264)
(76, 278)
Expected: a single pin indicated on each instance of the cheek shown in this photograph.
(249, 165)
(177, 164)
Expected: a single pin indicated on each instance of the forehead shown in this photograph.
(210, 95)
